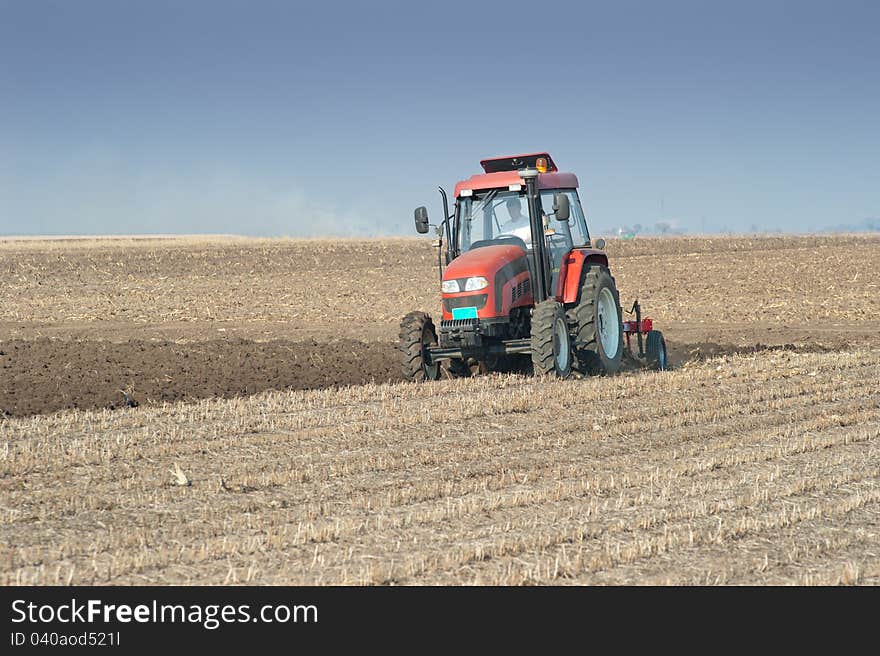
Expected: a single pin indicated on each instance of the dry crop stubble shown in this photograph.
(750, 468)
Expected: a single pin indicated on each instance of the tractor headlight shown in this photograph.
(475, 283)
(450, 287)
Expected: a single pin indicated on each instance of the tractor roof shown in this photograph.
(504, 171)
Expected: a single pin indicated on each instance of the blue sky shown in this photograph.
(286, 118)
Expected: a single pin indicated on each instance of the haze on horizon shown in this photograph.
(302, 119)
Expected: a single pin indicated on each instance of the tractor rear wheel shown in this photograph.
(551, 344)
(417, 333)
(598, 326)
(655, 351)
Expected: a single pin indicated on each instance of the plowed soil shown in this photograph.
(44, 375)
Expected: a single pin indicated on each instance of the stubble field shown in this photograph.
(755, 461)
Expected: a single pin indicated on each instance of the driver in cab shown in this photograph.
(519, 223)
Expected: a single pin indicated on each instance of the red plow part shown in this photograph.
(639, 327)
(644, 326)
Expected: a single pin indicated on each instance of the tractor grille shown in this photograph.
(477, 300)
(520, 290)
(458, 323)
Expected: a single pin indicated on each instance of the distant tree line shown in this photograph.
(667, 228)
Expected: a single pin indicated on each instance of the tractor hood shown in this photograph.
(506, 272)
(485, 261)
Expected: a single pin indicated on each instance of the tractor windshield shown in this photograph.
(493, 215)
(504, 216)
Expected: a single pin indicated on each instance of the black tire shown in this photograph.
(551, 345)
(656, 356)
(416, 334)
(591, 358)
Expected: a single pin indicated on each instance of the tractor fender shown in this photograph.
(571, 272)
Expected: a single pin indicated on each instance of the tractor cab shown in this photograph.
(518, 257)
(520, 201)
(501, 216)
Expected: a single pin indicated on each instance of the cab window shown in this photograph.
(575, 230)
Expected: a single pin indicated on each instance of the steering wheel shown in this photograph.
(501, 240)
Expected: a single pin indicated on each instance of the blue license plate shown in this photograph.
(464, 313)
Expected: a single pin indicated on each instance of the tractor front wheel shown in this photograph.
(417, 333)
(551, 344)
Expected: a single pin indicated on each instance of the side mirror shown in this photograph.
(561, 207)
(421, 220)
(599, 244)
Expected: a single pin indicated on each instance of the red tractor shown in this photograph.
(523, 277)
